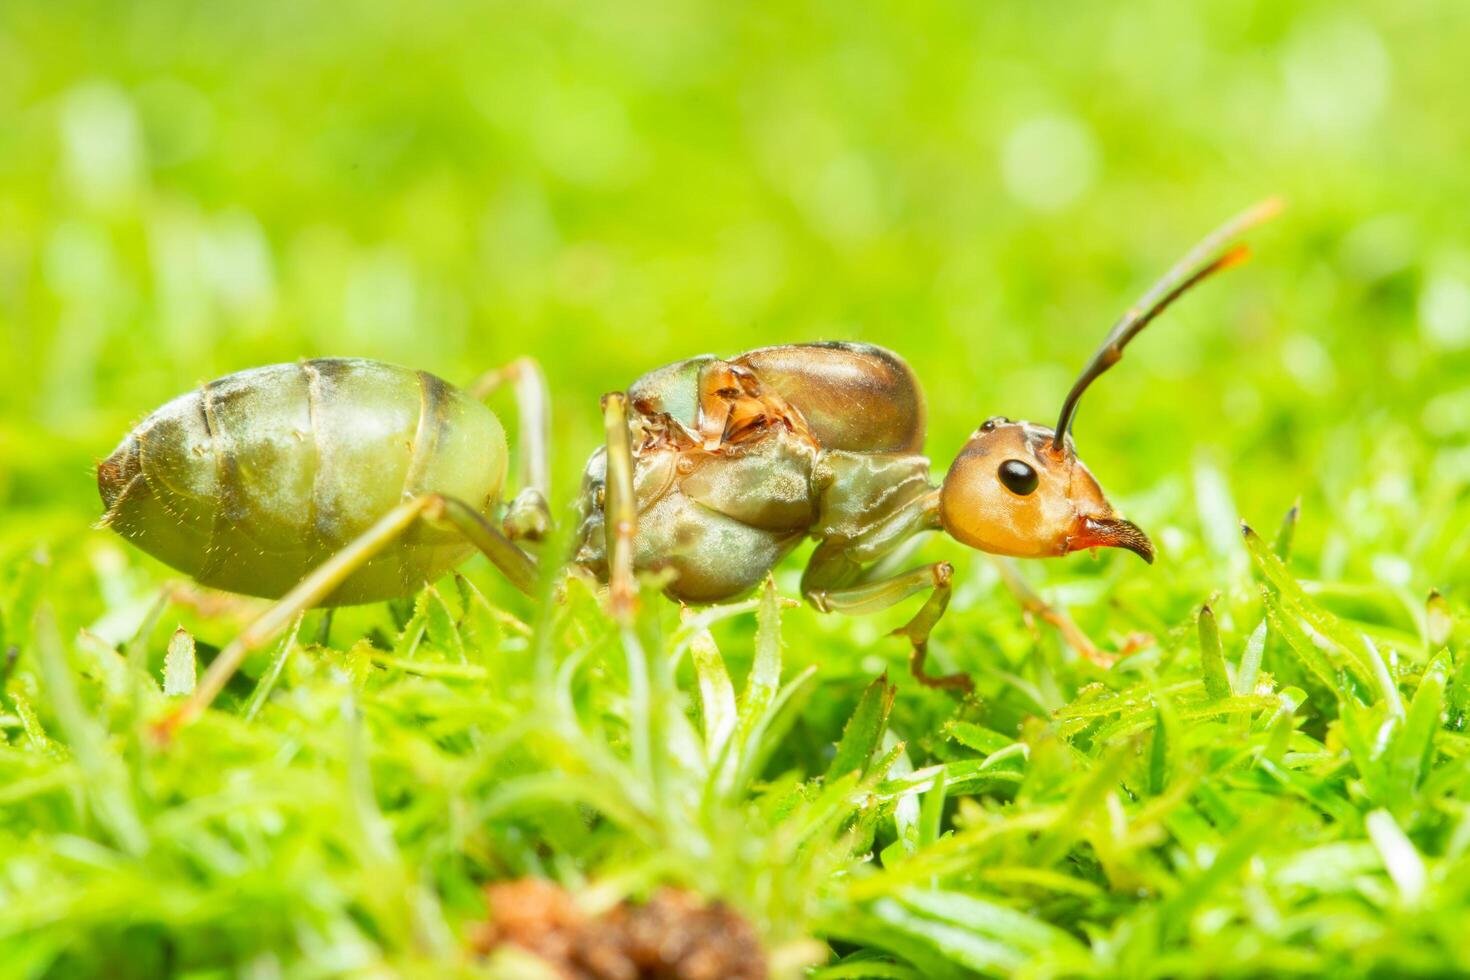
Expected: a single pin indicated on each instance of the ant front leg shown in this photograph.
(313, 590)
(1034, 605)
(528, 515)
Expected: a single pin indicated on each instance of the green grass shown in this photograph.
(1280, 787)
(1278, 793)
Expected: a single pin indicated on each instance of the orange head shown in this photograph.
(1019, 489)
(1012, 492)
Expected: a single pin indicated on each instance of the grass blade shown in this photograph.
(1212, 659)
(277, 663)
(864, 730)
(1021, 932)
(1286, 534)
(1311, 656)
(1250, 660)
(983, 740)
(714, 693)
(1158, 754)
(1402, 860)
(1438, 621)
(179, 664)
(958, 944)
(765, 669)
(1413, 748)
(1366, 662)
(1388, 690)
(107, 784)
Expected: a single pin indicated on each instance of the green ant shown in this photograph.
(333, 482)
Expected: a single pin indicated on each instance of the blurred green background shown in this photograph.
(191, 189)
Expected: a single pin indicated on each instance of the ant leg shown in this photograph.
(326, 577)
(872, 597)
(918, 629)
(1034, 605)
(620, 509)
(513, 563)
(896, 503)
(309, 592)
(528, 515)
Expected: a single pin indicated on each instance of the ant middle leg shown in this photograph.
(871, 508)
(320, 583)
(620, 509)
(871, 597)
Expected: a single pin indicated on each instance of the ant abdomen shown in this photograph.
(255, 479)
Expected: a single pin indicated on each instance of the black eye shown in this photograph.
(1018, 477)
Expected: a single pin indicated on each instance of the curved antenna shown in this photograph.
(1196, 266)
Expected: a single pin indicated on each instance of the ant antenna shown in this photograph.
(1186, 273)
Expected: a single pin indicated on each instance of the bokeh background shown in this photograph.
(189, 189)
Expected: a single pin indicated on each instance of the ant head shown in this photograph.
(1019, 488)
(1013, 491)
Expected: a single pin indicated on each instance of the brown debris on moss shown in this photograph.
(675, 935)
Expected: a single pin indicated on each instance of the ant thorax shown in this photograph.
(735, 409)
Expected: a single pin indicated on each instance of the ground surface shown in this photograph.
(187, 190)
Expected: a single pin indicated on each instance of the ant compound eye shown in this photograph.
(1018, 477)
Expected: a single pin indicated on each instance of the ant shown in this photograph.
(339, 481)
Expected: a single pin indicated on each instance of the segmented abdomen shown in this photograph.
(255, 479)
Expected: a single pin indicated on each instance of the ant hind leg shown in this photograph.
(528, 515)
(322, 581)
